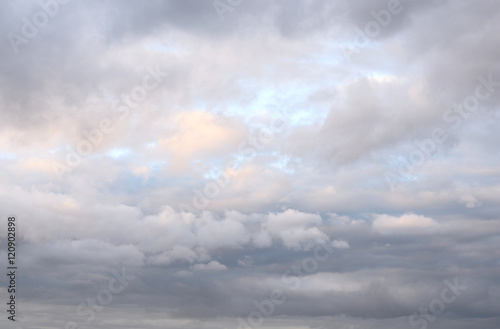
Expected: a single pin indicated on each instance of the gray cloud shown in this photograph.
(206, 131)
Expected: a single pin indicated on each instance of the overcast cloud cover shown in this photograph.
(342, 155)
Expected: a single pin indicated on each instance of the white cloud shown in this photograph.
(406, 224)
(340, 244)
(262, 239)
(213, 266)
(294, 228)
(470, 201)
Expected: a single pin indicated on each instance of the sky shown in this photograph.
(278, 164)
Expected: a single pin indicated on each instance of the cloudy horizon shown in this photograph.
(251, 164)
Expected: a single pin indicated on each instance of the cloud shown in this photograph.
(213, 266)
(406, 224)
(294, 228)
(320, 179)
(340, 244)
(200, 134)
(469, 201)
(178, 252)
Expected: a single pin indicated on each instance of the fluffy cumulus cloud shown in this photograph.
(312, 164)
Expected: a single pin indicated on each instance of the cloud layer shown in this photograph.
(334, 161)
